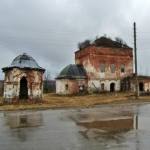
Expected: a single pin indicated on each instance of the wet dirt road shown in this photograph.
(113, 127)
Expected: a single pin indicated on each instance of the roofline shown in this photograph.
(71, 77)
(104, 47)
(25, 68)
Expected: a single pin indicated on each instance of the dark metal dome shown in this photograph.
(72, 71)
(24, 61)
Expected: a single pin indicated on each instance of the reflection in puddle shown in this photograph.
(114, 128)
(109, 125)
(107, 130)
(20, 121)
(15, 120)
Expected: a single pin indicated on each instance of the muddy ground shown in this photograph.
(52, 100)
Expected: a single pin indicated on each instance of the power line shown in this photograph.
(50, 40)
(11, 37)
(51, 31)
(143, 39)
(35, 43)
(143, 32)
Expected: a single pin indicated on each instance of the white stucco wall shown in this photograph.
(60, 86)
(106, 83)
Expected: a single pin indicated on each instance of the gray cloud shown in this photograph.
(49, 30)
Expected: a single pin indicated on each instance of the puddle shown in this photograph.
(115, 125)
(142, 123)
(23, 120)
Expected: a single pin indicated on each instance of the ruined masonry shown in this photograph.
(104, 68)
(23, 79)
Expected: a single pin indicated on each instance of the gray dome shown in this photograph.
(72, 71)
(24, 61)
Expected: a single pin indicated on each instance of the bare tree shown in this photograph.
(47, 78)
(119, 41)
(86, 43)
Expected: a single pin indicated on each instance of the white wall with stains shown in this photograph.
(12, 83)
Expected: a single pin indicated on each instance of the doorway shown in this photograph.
(23, 89)
(141, 86)
(102, 87)
(112, 87)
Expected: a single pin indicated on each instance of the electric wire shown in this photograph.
(55, 32)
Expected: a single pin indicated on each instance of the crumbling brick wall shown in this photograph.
(91, 57)
(12, 83)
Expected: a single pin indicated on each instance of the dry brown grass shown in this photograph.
(52, 100)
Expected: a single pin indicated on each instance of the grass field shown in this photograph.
(52, 100)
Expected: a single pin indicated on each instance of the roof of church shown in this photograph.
(24, 61)
(72, 71)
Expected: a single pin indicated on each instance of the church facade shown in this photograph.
(104, 68)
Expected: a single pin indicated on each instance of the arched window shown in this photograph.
(112, 68)
(122, 67)
(102, 67)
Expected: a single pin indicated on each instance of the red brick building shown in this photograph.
(105, 66)
(129, 82)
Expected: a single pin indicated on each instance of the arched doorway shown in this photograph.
(112, 87)
(23, 89)
(141, 86)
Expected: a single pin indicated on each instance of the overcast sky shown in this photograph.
(49, 30)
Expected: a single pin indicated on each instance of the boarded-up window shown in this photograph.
(102, 67)
(112, 68)
(122, 67)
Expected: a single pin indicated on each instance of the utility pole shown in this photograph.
(135, 57)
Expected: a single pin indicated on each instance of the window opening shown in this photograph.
(122, 67)
(66, 86)
(112, 68)
(102, 86)
(102, 67)
(81, 87)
